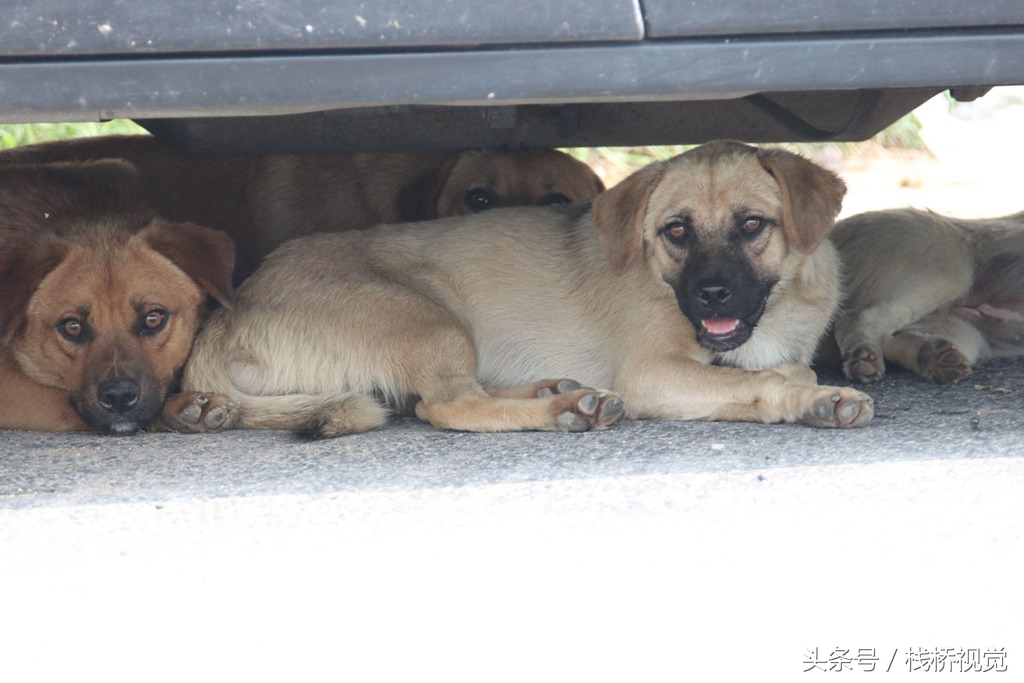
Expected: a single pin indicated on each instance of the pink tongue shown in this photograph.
(720, 325)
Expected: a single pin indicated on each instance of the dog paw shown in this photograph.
(840, 407)
(941, 361)
(864, 364)
(579, 409)
(200, 412)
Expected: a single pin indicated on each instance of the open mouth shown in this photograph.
(723, 334)
(720, 327)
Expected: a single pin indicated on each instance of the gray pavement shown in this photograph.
(650, 552)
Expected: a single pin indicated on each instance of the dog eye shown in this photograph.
(153, 321)
(72, 329)
(753, 224)
(676, 229)
(480, 199)
(556, 198)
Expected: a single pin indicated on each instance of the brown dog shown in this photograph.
(932, 293)
(261, 201)
(99, 300)
(695, 289)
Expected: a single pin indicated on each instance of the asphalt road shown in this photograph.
(650, 552)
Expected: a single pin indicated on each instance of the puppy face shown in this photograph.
(111, 313)
(482, 180)
(721, 225)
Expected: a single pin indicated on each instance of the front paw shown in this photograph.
(839, 407)
(199, 412)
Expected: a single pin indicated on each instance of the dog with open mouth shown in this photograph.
(697, 288)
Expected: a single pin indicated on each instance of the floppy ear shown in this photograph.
(418, 200)
(811, 197)
(22, 268)
(205, 255)
(619, 215)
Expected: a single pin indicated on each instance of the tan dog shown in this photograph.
(936, 295)
(695, 289)
(100, 301)
(261, 201)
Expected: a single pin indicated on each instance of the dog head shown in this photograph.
(478, 180)
(104, 304)
(721, 224)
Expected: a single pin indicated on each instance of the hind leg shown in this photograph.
(863, 336)
(941, 347)
(566, 406)
(451, 398)
(435, 359)
(860, 335)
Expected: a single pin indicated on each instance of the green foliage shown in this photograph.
(901, 135)
(13, 135)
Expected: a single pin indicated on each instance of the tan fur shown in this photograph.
(933, 294)
(261, 201)
(81, 252)
(470, 319)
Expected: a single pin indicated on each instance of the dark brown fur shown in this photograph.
(261, 201)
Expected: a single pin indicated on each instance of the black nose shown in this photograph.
(118, 396)
(714, 295)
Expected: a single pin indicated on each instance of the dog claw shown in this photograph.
(612, 411)
(826, 409)
(571, 422)
(589, 403)
(216, 417)
(567, 385)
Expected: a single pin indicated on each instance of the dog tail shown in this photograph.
(316, 415)
(995, 304)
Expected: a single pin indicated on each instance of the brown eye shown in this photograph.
(74, 330)
(753, 224)
(153, 321)
(675, 230)
(71, 328)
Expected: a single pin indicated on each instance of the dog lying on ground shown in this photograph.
(933, 294)
(99, 300)
(695, 289)
(261, 201)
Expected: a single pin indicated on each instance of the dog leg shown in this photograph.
(941, 347)
(548, 405)
(690, 390)
(861, 336)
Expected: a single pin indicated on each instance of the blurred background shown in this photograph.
(956, 158)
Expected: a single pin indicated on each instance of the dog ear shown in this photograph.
(418, 200)
(811, 197)
(22, 268)
(205, 255)
(619, 215)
